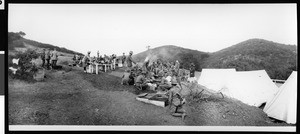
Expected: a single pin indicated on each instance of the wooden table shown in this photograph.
(105, 67)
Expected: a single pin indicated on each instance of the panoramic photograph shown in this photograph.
(152, 65)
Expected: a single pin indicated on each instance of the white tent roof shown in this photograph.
(251, 87)
(284, 105)
(215, 79)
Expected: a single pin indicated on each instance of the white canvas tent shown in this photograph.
(251, 87)
(215, 79)
(284, 105)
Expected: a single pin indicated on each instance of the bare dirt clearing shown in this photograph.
(68, 98)
(77, 98)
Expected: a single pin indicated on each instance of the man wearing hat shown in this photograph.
(141, 82)
(85, 61)
(47, 57)
(129, 60)
(43, 57)
(192, 73)
(123, 59)
(54, 56)
(176, 102)
(126, 77)
(165, 83)
(176, 67)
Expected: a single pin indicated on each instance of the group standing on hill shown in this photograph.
(88, 60)
(48, 56)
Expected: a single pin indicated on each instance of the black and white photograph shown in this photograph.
(190, 67)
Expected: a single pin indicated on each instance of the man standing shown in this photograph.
(47, 58)
(192, 73)
(176, 67)
(43, 57)
(176, 102)
(85, 61)
(129, 60)
(54, 56)
(123, 59)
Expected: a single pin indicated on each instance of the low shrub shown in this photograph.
(26, 69)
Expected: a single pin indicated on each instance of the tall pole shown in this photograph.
(148, 47)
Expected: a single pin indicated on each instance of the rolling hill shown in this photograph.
(279, 60)
(16, 42)
(172, 53)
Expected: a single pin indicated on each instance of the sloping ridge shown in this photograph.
(172, 53)
(279, 60)
(18, 43)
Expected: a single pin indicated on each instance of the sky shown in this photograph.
(117, 28)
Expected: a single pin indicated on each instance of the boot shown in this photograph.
(183, 116)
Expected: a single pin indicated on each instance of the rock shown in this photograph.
(39, 75)
(223, 116)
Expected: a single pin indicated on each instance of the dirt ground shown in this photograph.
(71, 97)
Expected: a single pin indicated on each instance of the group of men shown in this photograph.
(48, 56)
(160, 76)
(157, 76)
(86, 60)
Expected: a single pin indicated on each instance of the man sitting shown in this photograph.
(165, 83)
(127, 78)
(141, 82)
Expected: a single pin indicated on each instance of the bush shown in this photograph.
(26, 68)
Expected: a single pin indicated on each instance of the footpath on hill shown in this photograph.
(77, 98)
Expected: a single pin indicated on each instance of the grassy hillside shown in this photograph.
(277, 59)
(16, 42)
(173, 53)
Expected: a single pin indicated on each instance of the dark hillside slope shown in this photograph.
(277, 59)
(173, 53)
(15, 40)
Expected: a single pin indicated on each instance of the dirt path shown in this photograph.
(70, 98)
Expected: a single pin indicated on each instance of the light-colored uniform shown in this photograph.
(85, 60)
(140, 80)
(54, 55)
(125, 78)
(176, 100)
(129, 61)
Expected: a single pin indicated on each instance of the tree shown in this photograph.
(21, 33)
(13, 36)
